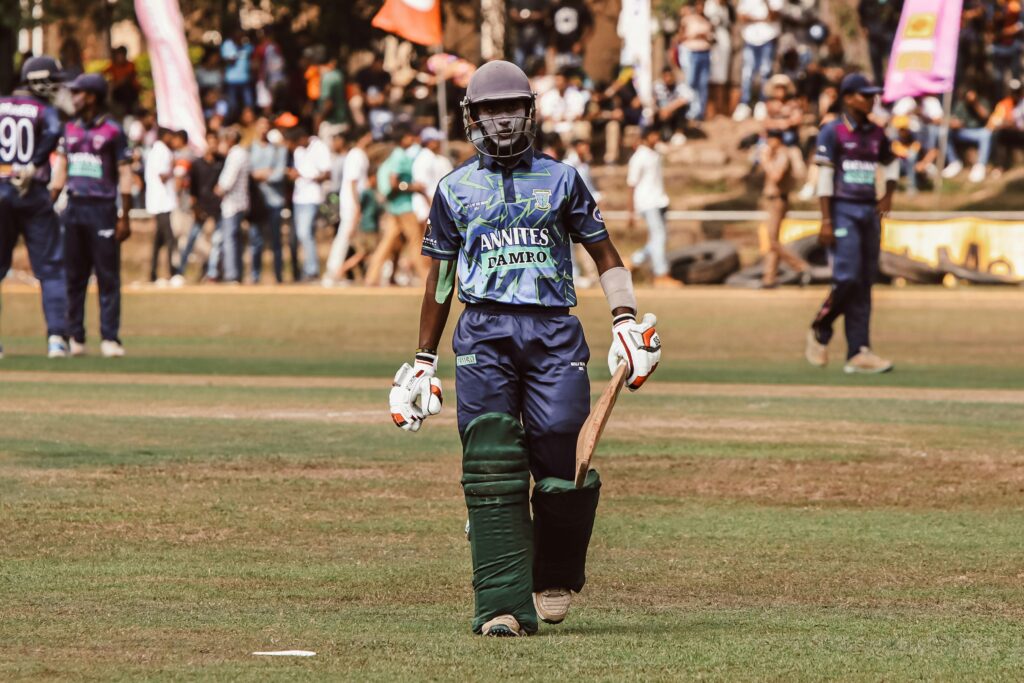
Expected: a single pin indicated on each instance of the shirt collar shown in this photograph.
(89, 125)
(525, 161)
(853, 126)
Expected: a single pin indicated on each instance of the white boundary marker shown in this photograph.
(286, 653)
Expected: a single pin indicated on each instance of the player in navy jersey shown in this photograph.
(850, 151)
(30, 127)
(504, 223)
(98, 167)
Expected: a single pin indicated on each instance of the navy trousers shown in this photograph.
(32, 217)
(530, 363)
(90, 245)
(858, 234)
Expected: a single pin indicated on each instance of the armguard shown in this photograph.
(826, 181)
(892, 171)
(617, 284)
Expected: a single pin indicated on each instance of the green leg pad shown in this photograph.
(563, 519)
(496, 482)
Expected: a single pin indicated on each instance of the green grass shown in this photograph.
(156, 530)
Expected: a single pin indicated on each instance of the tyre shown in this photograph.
(901, 266)
(706, 263)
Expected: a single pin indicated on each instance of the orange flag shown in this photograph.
(418, 21)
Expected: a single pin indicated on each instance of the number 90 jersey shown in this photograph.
(29, 131)
(512, 229)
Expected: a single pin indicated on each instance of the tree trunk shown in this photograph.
(8, 45)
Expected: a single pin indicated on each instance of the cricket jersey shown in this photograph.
(855, 152)
(29, 131)
(512, 229)
(94, 152)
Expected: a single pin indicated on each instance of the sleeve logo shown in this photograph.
(597, 215)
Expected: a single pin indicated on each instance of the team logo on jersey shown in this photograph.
(97, 142)
(597, 215)
(542, 199)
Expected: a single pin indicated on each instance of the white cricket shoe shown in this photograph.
(111, 349)
(815, 352)
(77, 349)
(868, 363)
(504, 626)
(742, 113)
(177, 281)
(952, 170)
(977, 173)
(552, 604)
(56, 347)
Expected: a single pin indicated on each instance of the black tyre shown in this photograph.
(911, 270)
(706, 263)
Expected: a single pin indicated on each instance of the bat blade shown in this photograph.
(591, 431)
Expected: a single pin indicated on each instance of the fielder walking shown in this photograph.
(850, 150)
(30, 128)
(98, 166)
(504, 223)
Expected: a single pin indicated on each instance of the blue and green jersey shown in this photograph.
(512, 230)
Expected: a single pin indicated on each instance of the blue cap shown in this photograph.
(859, 83)
(94, 83)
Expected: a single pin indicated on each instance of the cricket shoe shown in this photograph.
(110, 348)
(815, 352)
(505, 626)
(77, 348)
(552, 604)
(56, 347)
(866, 362)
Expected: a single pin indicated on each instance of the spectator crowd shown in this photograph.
(302, 145)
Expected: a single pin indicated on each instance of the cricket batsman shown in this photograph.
(30, 128)
(850, 150)
(504, 223)
(97, 164)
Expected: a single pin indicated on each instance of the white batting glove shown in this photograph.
(416, 393)
(637, 345)
(22, 178)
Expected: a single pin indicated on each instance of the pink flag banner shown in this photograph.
(177, 94)
(923, 59)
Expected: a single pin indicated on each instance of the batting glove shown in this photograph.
(637, 345)
(22, 178)
(416, 393)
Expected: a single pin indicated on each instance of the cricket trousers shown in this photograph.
(854, 257)
(90, 245)
(523, 394)
(32, 217)
(530, 363)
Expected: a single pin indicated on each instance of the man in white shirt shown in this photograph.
(561, 110)
(645, 176)
(428, 168)
(162, 197)
(354, 178)
(233, 189)
(760, 30)
(311, 168)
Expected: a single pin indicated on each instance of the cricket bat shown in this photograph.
(590, 433)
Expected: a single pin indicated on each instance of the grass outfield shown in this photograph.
(236, 485)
